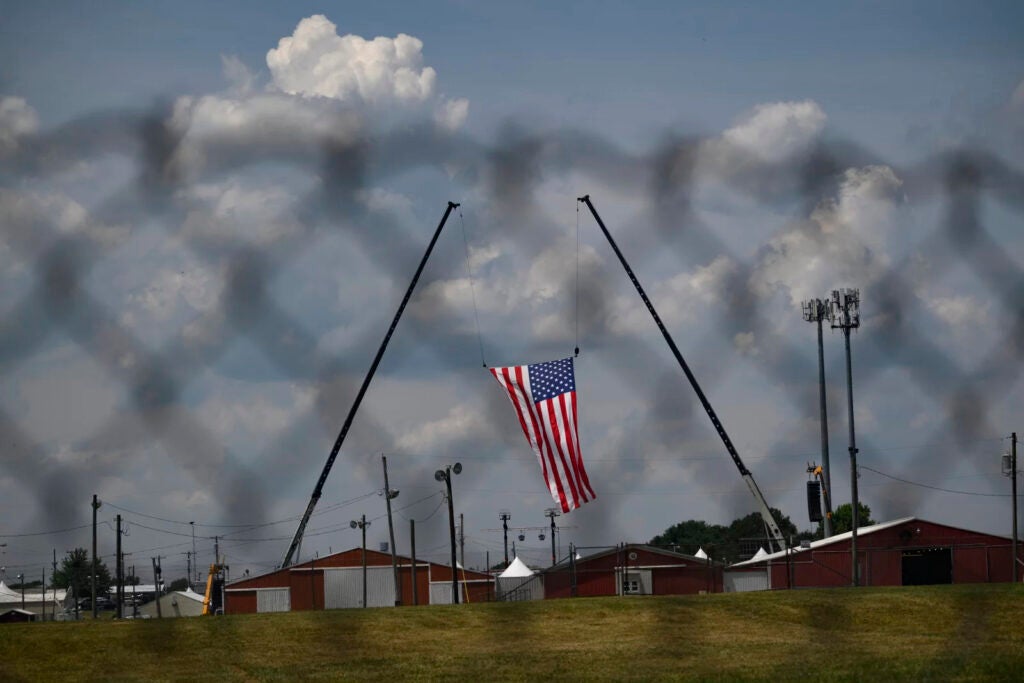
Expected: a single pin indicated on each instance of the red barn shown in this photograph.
(336, 581)
(633, 569)
(903, 552)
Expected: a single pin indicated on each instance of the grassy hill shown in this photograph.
(942, 632)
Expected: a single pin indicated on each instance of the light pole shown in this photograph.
(445, 475)
(816, 311)
(21, 580)
(362, 524)
(1010, 470)
(389, 495)
(505, 515)
(552, 513)
(95, 506)
(846, 316)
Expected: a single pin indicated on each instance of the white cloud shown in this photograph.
(462, 422)
(236, 209)
(959, 312)
(777, 130)
(265, 414)
(844, 241)
(680, 298)
(167, 290)
(451, 114)
(266, 123)
(17, 118)
(746, 343)
(315, 60)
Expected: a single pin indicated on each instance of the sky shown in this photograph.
(210, 213)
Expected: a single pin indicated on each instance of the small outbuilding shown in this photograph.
(17, 615)
(186, 603)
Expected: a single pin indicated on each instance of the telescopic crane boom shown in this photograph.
(318, 490)
(748, 478)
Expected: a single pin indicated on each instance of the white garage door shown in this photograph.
(273, 600)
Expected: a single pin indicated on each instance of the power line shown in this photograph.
(936, 488)
(45, 533)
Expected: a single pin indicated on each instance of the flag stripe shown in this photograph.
(550, 426)
(570, 447)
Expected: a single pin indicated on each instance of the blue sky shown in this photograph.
(746, 155)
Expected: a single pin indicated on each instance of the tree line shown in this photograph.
(741, 538)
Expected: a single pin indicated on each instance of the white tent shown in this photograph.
(516, 569)
(701, 554)
(759, 554)
(518, 582)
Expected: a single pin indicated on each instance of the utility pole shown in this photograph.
(505, 515)
(188, 560)
(817, 311)
(1010, 470)
(462, 541)
(362, 524)
(135, 600)
(54, 610)
(194, 556)
(552, 513)
(388, 495)
(1013, 467)
(95, 506)
(120, 568)
(156, 585)
(412, 541)
(846, 315)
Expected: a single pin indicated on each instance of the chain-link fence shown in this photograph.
(249, 308)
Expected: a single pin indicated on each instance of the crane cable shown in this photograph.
(576, 314)
(472, 289)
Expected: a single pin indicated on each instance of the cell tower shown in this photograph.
(846, 316)
(818, 311)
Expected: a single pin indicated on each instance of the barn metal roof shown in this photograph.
(821, 543)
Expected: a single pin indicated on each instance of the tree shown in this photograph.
(178, 585)
(74, 574)
(842, 517)
(732, 543)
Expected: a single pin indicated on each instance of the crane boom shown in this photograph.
(748, 478)
(318, 490)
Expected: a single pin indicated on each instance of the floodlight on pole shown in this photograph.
(445, 475)
(361, 523)
(504, 516)
(846, 316)
(818, 311)
(552, 513)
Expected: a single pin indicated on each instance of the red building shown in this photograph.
(633, 569)
(903, 552)
(336, 581)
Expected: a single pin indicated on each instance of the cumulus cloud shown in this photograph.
(462, 422)
(316, 61)
(17, 119)
(680, 298)
(238, 210)
(777, 130)
(264, 124)
(959, 312)
(843, 240)
(451, 114)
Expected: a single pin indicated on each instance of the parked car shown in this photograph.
(101, 604)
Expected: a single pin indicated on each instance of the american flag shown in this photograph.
(544, 396)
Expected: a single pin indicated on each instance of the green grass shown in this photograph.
(878, 634)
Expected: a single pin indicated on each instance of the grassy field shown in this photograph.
(928, 633)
